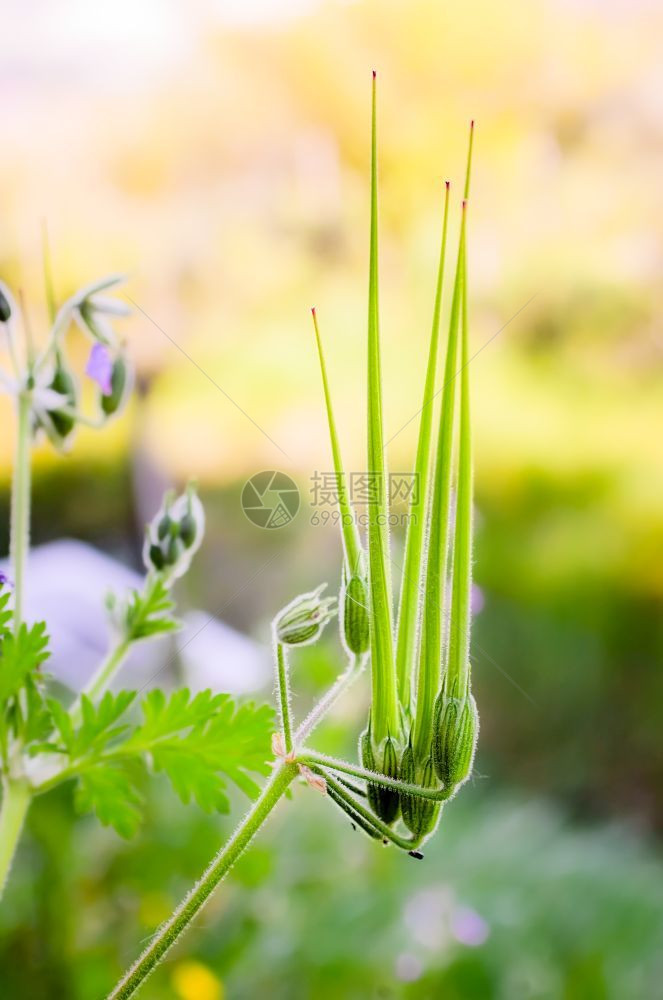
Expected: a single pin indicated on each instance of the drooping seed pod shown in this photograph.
(455, 732)
(383, 801)
(5, 308)
(419, 815)
(302, 621)
(119, 382)
(355, 630)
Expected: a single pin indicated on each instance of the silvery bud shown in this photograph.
(174, 534)
(455, 732)
(383, 801)
(355, 628)
(302, 621)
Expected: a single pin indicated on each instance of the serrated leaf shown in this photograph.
(197, 740)
(6, 614)
(97, 728)
(109, 791)
(150, 613)
(20, 654)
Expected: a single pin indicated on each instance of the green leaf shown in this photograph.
(198, 741)
(150, 613)
(109, 790)
(414, 564)
(6, 614)
(20, 654)
(384, 710)
(97, 728)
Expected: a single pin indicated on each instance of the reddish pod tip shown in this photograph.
(447, 184)
(374, 74)
(472, 123)
(312, 310)
(464, 203)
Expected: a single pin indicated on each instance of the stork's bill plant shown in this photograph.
(418, 744)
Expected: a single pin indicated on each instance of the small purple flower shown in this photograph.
(100, 368)
(4, 580)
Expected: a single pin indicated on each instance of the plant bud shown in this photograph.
(355, 630)
(419, 815)
(5, 308)
(111, 402)
(455, 734)
(383, 801)
(165, 549)
(303, 620)
(63, 383)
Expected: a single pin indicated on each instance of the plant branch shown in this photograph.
(16, 798)
(318, 760)
(191, 905)
(20, 505)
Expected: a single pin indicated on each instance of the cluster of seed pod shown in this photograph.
(174, 534)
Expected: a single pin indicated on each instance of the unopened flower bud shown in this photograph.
(384, 801)
(303, 620)
(455, 732)
(168, 548)
(355, 629)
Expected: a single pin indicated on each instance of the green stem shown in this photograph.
(16, 798)
(20, 505)
(284, 695)
(101, 678)
(343, 798)
(318, 760)
(191, 905)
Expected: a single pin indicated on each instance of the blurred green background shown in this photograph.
(218, 153)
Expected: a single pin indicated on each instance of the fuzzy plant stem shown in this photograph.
(100, 679)
(191, 905)
(283, 689)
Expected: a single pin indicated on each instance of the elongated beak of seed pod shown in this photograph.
(303, 620)
(455, 733)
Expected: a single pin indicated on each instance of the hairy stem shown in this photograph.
(191, 905)
(20, 505)
(320, 761)
(16, 798)
(317, 713)
(101, 678)
(283, 687)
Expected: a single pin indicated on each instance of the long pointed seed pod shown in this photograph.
(455, 737)
(431, 651)
(353, 603)
(428, 680)
(459, 631)
(384, 710)
(413, 566)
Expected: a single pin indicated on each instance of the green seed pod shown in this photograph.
(419, 815)
(156, 557)
(188, 529)
(355, 630)
(304, 619)
(110, 404)
(409, 803)
(454, 738)
(383, 801)
(64, 384)
(5, 308)
(164, 527)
